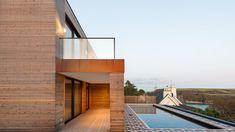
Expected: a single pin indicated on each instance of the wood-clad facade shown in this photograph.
(99, 96)
(34, 88)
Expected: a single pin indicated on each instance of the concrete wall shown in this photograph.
(27, 65)
(116, 102)
(60, 101)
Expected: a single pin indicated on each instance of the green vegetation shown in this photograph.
(209, 112)
(131, 90)
(221, 101)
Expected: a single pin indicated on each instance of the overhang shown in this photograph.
(90, 65)
(90, 70)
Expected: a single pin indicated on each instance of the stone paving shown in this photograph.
(134, 124)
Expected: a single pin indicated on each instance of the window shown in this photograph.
(68, 100)
(73, 99)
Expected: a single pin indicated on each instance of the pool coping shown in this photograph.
(199, 118)
(191, 118)
(133, 122)
(208, 117)
(145, 127)
(138, 116)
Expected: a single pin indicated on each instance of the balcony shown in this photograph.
(92, 60)
(86, 48)
(79, 56)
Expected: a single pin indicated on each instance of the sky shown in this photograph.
(188, 42)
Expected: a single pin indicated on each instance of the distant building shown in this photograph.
(167, 96)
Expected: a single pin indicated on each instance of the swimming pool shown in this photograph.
(158, 118)
(199, 106)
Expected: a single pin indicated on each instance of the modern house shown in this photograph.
(51, 72)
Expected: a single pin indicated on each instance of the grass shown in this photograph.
(208, 91)
(221, 100)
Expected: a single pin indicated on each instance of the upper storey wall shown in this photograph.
(27, 64)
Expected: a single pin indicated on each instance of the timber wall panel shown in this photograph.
(84, 86)
(99, 96)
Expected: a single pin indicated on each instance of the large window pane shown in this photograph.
(68, 99)
(87, 97)
(68, 43)
(68, 32)
(77, 98)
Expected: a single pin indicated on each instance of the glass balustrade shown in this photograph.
(86, 48)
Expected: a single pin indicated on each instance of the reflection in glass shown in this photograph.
(81, 48)
(68, 99)
(77, 98)
(87, 97)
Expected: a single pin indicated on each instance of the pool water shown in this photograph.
(199, 106)
(158, 118)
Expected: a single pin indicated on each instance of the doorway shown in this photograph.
(87, 97)
(73, 99)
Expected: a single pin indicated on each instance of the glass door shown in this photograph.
(87, 97)
(73, 99)
(77, 98)
(68, 100)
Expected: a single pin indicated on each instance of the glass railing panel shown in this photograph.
(87, 48)
(68, 46)
(104, 48)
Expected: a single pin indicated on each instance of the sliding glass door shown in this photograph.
(68, 100)
(77, 98)
(87, 97)
(73, 99)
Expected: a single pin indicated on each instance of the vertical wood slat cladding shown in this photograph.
(116, 102)
(84, 97)
(99, 96)
(27, 65)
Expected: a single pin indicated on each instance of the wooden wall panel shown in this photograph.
(84, 84)
(99, 96)
(27, 65)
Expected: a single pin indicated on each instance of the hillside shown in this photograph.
(223, 100)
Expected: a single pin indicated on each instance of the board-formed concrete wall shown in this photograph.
(27, 65)
(116, 102)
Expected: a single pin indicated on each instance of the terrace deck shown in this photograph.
(94, 120)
